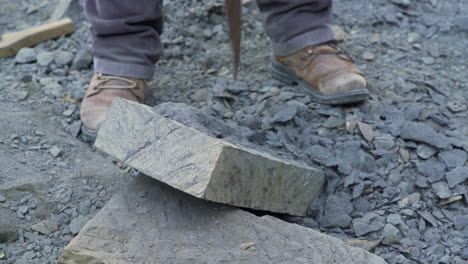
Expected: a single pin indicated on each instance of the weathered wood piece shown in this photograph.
(150, 222)
(204, 166)
(12, 42)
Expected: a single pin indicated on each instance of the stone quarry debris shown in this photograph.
(8, 230)
(457, 176)
(169, 226)
(451, 200)
(45, 227)
(368, 245)
(423, 133)
(247, 245)
(12, 42)
(204, 166)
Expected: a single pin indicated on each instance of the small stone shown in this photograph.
(55, 151)
(402, 3)
(429, 218)
(74, 128)
(68, 112)
(404, 154)
(21, 95)
(391, 235)
(457, 176)
(2, 198)
(425, 151)
(45, 58)
(322, 155)
(423, 133)
(8, 230)
(77, 223)
(337, 210)
(368, 56)
(334, 122)
(407, 212)
(84, 207)
(237, 87)
(45, 227)
(410, 199)
(456, 107)
(462, 23)
(368, 245)
(310, 223)
(441, 189)
(464, 253)
(362, 227)
(50, 86)
(62, 58)
(433, 170)
(340, 33)
(82, 59)
(285, 114)
(453, 158)
(428, 60)
(246, 246)
(451, 200)
(394, 219)
(25, 55)
(23, 209)
(460, 221)
(366, 131)
(413, 37)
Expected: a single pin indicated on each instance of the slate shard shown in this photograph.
(204, 166)
(169, 226)
(424, 134)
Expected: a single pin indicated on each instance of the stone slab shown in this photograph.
(204, 166)
(150, 222)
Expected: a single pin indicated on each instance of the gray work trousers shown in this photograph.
(126, 33)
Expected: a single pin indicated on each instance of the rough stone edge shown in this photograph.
(120, 103)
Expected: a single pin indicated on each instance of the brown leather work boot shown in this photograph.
(324, 72)
(99, 95)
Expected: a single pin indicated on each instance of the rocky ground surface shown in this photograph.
(396, 165)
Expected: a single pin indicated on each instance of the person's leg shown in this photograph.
(304, 54)
(295, 24)
(126, 44)
(125, 36)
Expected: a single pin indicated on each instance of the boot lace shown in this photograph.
(338, 51)
(104, 79)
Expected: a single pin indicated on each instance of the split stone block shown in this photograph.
(150, 222)
(204, 166)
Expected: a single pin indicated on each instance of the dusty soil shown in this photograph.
(402, 189)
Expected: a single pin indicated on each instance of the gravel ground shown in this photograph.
(396, 165)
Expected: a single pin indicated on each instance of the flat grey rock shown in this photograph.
(204, 166)
(423, 133)
(453, 158)
(391, 235)
(460, 221)
(457, 176)
(45, 227)
(8, 228)
(169, 226)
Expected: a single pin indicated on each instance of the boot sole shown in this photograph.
(88, 134)
(289, 77)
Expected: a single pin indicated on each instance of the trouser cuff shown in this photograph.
(315, 37)
(136, 71)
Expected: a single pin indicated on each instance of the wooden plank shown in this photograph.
(12, 42)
